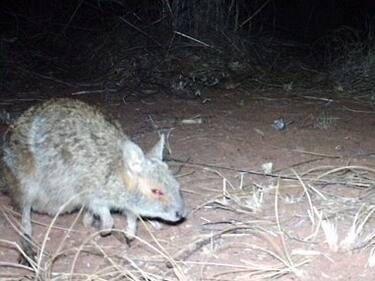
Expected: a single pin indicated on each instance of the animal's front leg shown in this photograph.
(105, 218)
(130, 231)
(132, 225)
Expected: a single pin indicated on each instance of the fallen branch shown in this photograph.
(201, 242)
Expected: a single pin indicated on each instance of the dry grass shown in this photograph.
(279, 243)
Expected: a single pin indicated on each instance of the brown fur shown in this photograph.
(66, 150)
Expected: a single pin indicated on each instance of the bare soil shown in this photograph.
(241, 226)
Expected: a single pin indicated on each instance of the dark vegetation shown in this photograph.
(184, 47)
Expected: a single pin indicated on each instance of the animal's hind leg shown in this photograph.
(26, 237)
(91, 219)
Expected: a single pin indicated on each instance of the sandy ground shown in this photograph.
(241, 226)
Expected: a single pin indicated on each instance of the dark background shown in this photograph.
(300, 20)
(70, 39)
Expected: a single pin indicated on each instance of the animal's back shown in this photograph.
(58, 150)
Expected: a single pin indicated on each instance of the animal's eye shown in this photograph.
(157, 192)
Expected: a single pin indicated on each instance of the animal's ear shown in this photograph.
(157, 150)
(133, 156)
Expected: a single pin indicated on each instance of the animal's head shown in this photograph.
(154, 190)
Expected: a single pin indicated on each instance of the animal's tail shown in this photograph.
(3, 184)
(5, 120)
(5, 117)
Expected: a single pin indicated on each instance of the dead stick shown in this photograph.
(298, 164)
(141, 31)
(199, 243)
(193, 39)
(317, 154)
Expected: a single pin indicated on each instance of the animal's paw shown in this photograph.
(155, 224)
(105, 233)
(123, 238)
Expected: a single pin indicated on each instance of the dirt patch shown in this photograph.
(242, 224)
